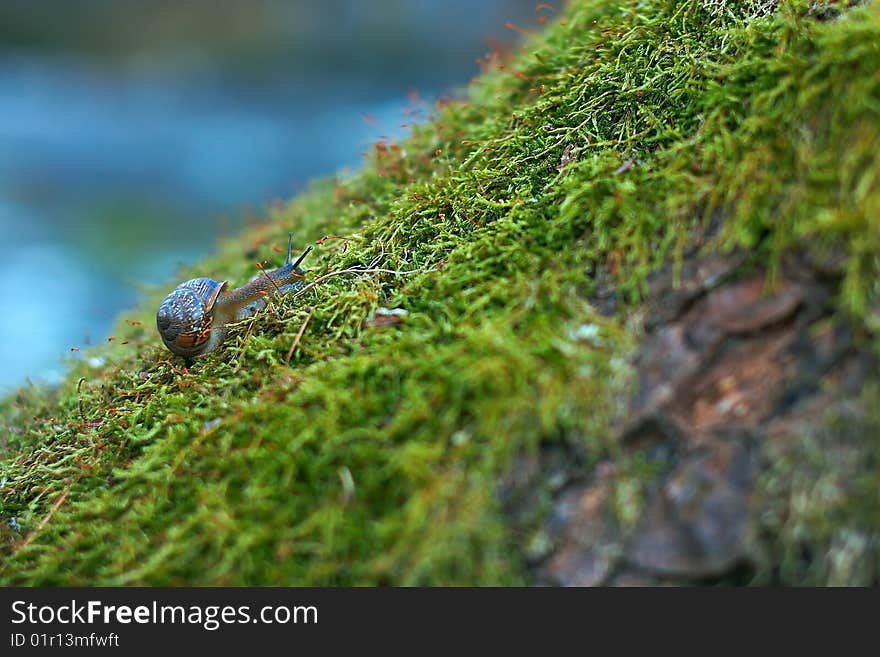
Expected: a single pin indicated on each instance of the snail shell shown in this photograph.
(192, 320)
(185, 318)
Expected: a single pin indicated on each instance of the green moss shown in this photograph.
(374, 456)
(821, 499)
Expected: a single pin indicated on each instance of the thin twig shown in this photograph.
(82, 413)
(271, 280)
(302, 329)
(247, 337)
(372, 268)
(45, 519)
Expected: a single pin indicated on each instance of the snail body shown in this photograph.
(193, 319)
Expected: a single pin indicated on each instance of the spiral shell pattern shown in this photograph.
(184, 318)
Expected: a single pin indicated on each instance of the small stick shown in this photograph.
(351, 270)
(247, 337)
(372, 268)
(79, 395)
(302, 329)
(263, 271)
(45, 519)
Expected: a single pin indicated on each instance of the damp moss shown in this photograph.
(373, 456)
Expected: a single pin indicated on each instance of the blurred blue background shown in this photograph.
(134, 134)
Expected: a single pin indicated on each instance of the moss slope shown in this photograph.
(374, 457)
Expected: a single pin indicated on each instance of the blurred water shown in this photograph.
(112, 175)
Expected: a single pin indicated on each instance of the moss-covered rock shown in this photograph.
(499, 433)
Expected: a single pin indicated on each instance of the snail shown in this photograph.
(193, 319)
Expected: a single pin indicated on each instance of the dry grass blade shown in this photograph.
(356, 270)
(45, 519)
(295, 344)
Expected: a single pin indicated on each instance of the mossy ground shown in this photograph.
(374, 456)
